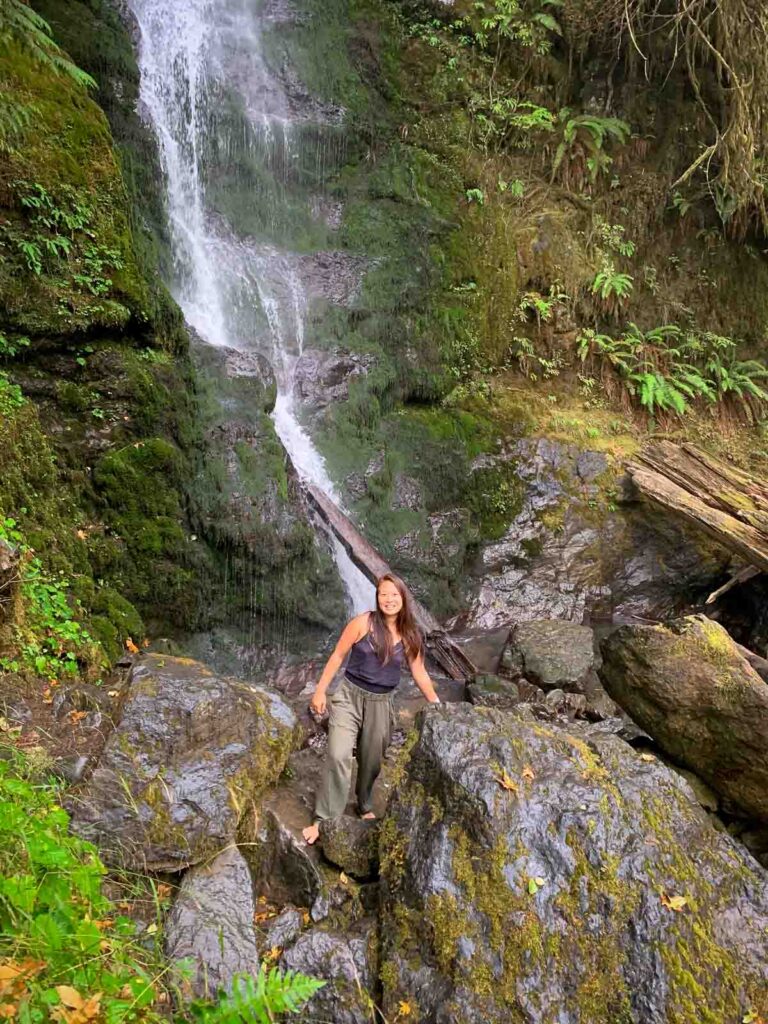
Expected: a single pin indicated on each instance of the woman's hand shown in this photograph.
(318, 702)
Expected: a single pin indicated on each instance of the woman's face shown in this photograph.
(390, 601)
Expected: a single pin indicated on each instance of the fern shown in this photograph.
(259, 999)
(18, 22)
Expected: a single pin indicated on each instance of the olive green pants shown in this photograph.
(355, 716)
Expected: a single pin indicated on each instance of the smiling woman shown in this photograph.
(361, 713)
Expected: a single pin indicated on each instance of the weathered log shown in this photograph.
(730, 505)
(440, 646)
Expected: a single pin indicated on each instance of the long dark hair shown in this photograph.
(381, 638)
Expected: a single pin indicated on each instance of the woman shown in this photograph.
(361, 709)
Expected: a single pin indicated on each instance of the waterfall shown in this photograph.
(237, 292)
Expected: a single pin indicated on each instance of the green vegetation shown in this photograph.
(69, 954)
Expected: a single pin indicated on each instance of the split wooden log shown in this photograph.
(730, 505)
(447, 654)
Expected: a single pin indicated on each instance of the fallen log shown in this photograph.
(447, 654)
(728, 504)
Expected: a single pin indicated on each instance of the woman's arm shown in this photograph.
(354, 630)
(422, 680)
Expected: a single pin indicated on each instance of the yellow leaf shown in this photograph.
(69, 996)
(343, 878)
(131, 646)
(404, 1009)
(113, 693)
(151, 928)
(647, 757)
(506, 781)
(528, 773)
(81, 535)
(8, 1010)
(676, 903)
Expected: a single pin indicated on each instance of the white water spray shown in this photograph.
(232, 292)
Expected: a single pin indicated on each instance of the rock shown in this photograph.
(691, 689)
(191, 752)
(352, 845)
(544, 898)
(71, 768)
(347, 963)
(211, 922)
(552, 654)
(493, 692)
(562, 557)
(322, 377)
(284, 929)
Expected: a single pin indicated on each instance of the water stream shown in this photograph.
(195, 56)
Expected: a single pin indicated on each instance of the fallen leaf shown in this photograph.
(113, 693)
(8, 1010)
(131, 646)
(82, 535)
(69, 996)
(163, 890)
(76, 716)
(676, 903)
(533, 886)
(106, 923)
(647, 757)
(506, 781)
(151, 928)
(273, 955)
(343, 878)
(404, 1009)
(528, 773)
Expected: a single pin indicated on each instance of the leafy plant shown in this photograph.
(259, 998)
(613, 287)
(581, 154)
(68, 954)
(50, 641)
(10, 347)
(20, 23)
(475, 195)
(11, 397)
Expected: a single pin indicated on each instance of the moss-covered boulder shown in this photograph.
(351, 844)
(541, 875)
(691, 688)
(191, 754)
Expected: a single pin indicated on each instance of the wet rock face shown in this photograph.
(527, 874)
(191, 752)
(351, 844)
(346, 962)
(552, 654)
(561, 559)
(211, 922)
(691, 689)
(323, 378)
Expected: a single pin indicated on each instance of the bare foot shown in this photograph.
(368, 816)
(311, 834)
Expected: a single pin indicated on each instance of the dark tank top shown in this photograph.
(366, 671)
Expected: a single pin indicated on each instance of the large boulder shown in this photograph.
(346, 961)
(211, 923)
(193, 750)
(557, 877)
(690, 687)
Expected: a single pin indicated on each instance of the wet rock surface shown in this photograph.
(346, 962)
(536, 880)
(191, 751)
(211, 922)
(552, 654)
(688, 685)
(560, 558)
(351, 844)
(323, 378)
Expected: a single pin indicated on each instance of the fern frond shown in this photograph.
(19, 22)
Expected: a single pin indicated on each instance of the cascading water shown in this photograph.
(241, 293)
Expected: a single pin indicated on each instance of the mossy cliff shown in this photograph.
(481, 180)
(101, 467)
